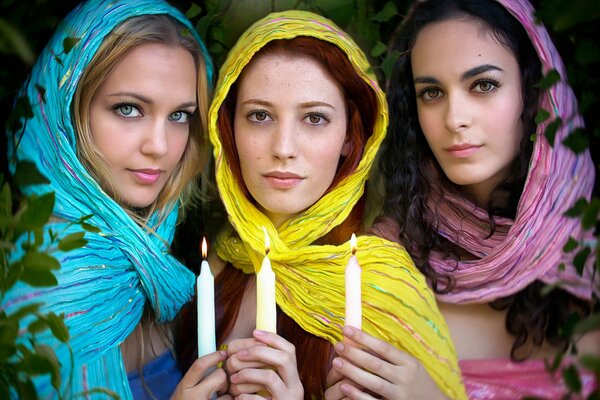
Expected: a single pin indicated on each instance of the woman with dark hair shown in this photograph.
(296, 122)
(477, 194)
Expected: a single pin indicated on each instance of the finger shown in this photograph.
(238, 344)
(200, 367)
(265, 382)
(334, 392)
(333, 376)
(353, 393)
(383, 349)
(243, 359)
(279, 354)
(363, 378)
(244, 382)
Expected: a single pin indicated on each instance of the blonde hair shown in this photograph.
(135, 31)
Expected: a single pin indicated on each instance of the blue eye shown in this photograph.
(127, 110)
(181, 117)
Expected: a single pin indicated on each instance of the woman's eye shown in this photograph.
(127, 110)
(316, 119)
(431, 94)
(181, 117)
(485, 86)
(258, 116)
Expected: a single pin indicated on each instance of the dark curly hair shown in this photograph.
(531, 317)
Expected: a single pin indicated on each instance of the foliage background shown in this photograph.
(26, 26)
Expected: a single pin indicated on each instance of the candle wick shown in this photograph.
(267, 252)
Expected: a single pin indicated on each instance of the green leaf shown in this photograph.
(590, 214)
(36, 261)
(589, 324)
(578, 208)
(48, 353)
(69, 43)
(556, 362)
(577, 141)
(568, 326)
(36, 364)
(570, 245)
(25, 310)
(37, 326)
(5, 209)
(37, 212)
(90, 227)
(388, 63)
(72, 241)
(379, 49)
(8, 336)
(581, 258)
(41, 91)
(15, 270)
(571, 377)
(388, 12)
(549, 80)
(57, 326)
(39, 278)
(58, 60)
(193, 11)
(551, 129)
(27, 174)
(541, 116)
(591, 363)
(26, 389)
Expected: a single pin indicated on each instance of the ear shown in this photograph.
(346, 147)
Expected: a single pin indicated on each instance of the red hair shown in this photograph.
(314, 355)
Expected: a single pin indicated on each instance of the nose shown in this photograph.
(458, 113)
(283, 145)
(155, 140)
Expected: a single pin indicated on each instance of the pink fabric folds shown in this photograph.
(504, 379)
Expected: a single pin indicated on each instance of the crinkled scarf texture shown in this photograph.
(530, 247)
(103, 287)
(397, 304)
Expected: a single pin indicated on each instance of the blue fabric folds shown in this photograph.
(104, 286)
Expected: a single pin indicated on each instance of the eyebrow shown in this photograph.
(146, 100)
(466, 75)
(307, 104)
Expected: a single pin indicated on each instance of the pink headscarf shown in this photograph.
(530, 247)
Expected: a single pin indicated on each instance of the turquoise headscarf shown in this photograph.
(103, 287)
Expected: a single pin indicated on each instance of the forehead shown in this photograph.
(279, 69)
(458, 43)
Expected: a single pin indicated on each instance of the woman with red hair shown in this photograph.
(296, 122)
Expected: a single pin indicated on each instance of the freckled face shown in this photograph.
(469, 102)
(290, 130)
(139, 119)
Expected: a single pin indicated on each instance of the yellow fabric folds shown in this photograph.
(397, 304)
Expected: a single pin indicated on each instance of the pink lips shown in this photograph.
(282, 180)
(463, 150)
(146, 176)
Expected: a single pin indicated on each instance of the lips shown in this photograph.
(463, 150)
(146, 176)
(282, 180)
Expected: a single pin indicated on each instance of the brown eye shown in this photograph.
(315, 119)
(260, 116)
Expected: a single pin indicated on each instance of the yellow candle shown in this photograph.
(205, 298)
(353, 289)
(266, 314)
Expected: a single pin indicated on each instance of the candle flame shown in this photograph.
(353, 244)
(267, 242)
(204, 250)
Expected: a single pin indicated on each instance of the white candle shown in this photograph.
(353, 289)
(205, 297)
(266, 313)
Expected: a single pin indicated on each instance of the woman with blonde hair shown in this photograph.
(118, 132)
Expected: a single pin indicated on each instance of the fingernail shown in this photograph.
(242, 353)
(223, 353)
(345, 388)
(339, 347)
(259, 332)
(337, 363)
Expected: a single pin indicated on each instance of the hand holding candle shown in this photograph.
(205, 298)
(266, 313)
(353, 289)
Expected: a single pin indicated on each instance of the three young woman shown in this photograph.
(117, 128)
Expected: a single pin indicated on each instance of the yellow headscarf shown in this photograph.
(398, 306)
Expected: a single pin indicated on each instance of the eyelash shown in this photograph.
(489, 80)
(117, 106)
